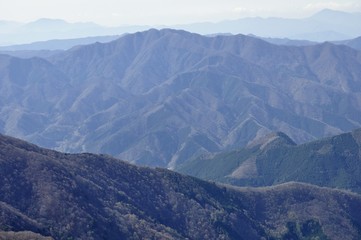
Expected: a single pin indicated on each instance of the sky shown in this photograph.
(164, 12)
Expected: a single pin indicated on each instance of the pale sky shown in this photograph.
(163, 12)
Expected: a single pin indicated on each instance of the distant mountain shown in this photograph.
(326, 25)
(354, 43)
(58, 44)
(45, 23)
(49, 29)
(340, 18)
(31, 53)
(8, 26)
(287, 42)
(159, 98)
(87, 196)
(333, 162)
(46, 49)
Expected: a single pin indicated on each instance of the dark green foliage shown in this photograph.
(312, 229)
(215, 168)
(291, 232)
(309, 230)
(332, 162)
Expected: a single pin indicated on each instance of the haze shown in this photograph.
(145, 12)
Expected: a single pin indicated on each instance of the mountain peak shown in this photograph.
(329, 14)
(330, 11)
(48, 21)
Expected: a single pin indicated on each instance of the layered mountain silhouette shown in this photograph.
(44, 29)
(334, 162)
(159, 98)
(325, 25)
(354, 43)
(46, 49)
(46, 194)
(58, 44)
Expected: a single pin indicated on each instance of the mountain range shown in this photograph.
(59, 44)
(44, 29)
(46, 194)
(46, 49)
(158, 98)
(326, 25)
(354, 43)
(333, 162)
(234, 136)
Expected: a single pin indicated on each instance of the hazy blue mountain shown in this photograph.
(31, 53)
(50, 29)
(333, 162)
(354, 43)
(7, 26)
(161, 97)
(58, 44)
(46, 49)
(45, 29)
(287, 41)
(326, 25)
(87, 196)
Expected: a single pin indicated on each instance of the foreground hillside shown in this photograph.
(158, 98)
(86, 196)
(333, 162)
